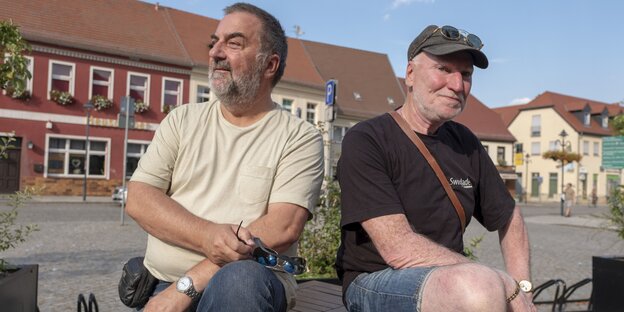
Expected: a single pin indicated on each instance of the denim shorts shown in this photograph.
(388, 290)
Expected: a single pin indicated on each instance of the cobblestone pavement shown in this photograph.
(81, 248)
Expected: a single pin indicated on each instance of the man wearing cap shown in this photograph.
(402, 237)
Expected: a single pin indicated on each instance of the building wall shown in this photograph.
(589, 168)
(39, 119)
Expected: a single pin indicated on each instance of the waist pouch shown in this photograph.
(136, 284)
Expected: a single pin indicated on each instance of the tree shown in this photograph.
(618, 124)
(14, 70)
(321, 235)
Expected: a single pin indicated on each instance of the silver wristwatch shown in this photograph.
(185, 286)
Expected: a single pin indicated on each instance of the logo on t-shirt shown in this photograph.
(465, 183)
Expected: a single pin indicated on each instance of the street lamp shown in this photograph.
(563, 143)
(526, 177)
(88, 107)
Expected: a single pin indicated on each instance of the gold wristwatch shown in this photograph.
(525, 286)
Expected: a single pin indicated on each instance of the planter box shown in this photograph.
(18, 289)
(608, 283)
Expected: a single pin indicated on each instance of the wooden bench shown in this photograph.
(314, 296)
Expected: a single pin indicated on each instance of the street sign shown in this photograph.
(330, 92)
(127, 104)
(613, 152)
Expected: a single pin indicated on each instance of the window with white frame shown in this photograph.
(585, 147)
(339, 133)
(596, 149)
(171, 92)
(66, 156)
(586, 118)
(554, 145)
(487, 148)
(101, 82)
(535, 148)
(138, 87)
(61, 77)
(311, 113)
(135, 151)
(536, 125)
(500, 155)
(287, 105)
(605, 121)
(203, 94)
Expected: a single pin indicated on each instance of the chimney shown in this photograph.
(157, 6)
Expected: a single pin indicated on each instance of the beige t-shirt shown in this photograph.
(228, 174)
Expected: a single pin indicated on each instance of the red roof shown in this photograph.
(565, 106)
(366, 74)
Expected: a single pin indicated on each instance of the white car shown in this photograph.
(119, 192)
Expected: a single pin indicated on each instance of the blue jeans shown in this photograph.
(240, 286)
(388, 290)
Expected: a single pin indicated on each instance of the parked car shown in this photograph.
(119, 192)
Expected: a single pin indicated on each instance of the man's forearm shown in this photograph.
(164, 218)
(281, 226)
(402, 248)
(515, 247)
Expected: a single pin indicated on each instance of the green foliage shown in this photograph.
(14, 70)
(567, 157)
(469, 251)
(101, 102)
(11, 234)
(5, 144)
(321, 235)
(616, 211)
(618, 124)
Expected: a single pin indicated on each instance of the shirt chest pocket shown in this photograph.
(254, 184)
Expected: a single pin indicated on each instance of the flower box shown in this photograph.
(61, 97)
(140, 106)
(101, 103)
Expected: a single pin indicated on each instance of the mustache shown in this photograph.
(221, 65)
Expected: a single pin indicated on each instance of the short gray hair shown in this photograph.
(272, 39)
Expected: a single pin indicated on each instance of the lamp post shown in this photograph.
(88, 107)
(526, 177)
(563, 143)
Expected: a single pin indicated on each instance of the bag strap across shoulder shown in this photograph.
(434, 165)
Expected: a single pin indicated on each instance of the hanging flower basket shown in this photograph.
(140, 106)
(61, 97)
(101, 103)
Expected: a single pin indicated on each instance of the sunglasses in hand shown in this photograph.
(273, 260)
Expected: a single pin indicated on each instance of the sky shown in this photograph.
(572, 47)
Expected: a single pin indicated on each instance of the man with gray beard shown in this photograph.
(220, 175)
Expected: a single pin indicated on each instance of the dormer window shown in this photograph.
(586, 118)
(604, 118)
(357, 96)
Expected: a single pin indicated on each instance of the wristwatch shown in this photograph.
(525, 286)
(185, 286)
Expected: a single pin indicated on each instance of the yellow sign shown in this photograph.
(519, 159)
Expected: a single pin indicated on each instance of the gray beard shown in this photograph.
(238, 93)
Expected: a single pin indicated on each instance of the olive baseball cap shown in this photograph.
(446, 40)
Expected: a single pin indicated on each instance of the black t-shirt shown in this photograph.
(381, 172)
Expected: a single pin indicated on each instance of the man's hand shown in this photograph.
(222, 245)
(169, 300)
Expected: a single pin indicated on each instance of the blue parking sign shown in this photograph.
(330, 92)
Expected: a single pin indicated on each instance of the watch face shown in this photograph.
(525, 286)
(183, 283)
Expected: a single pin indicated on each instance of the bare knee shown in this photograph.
(464, 287)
